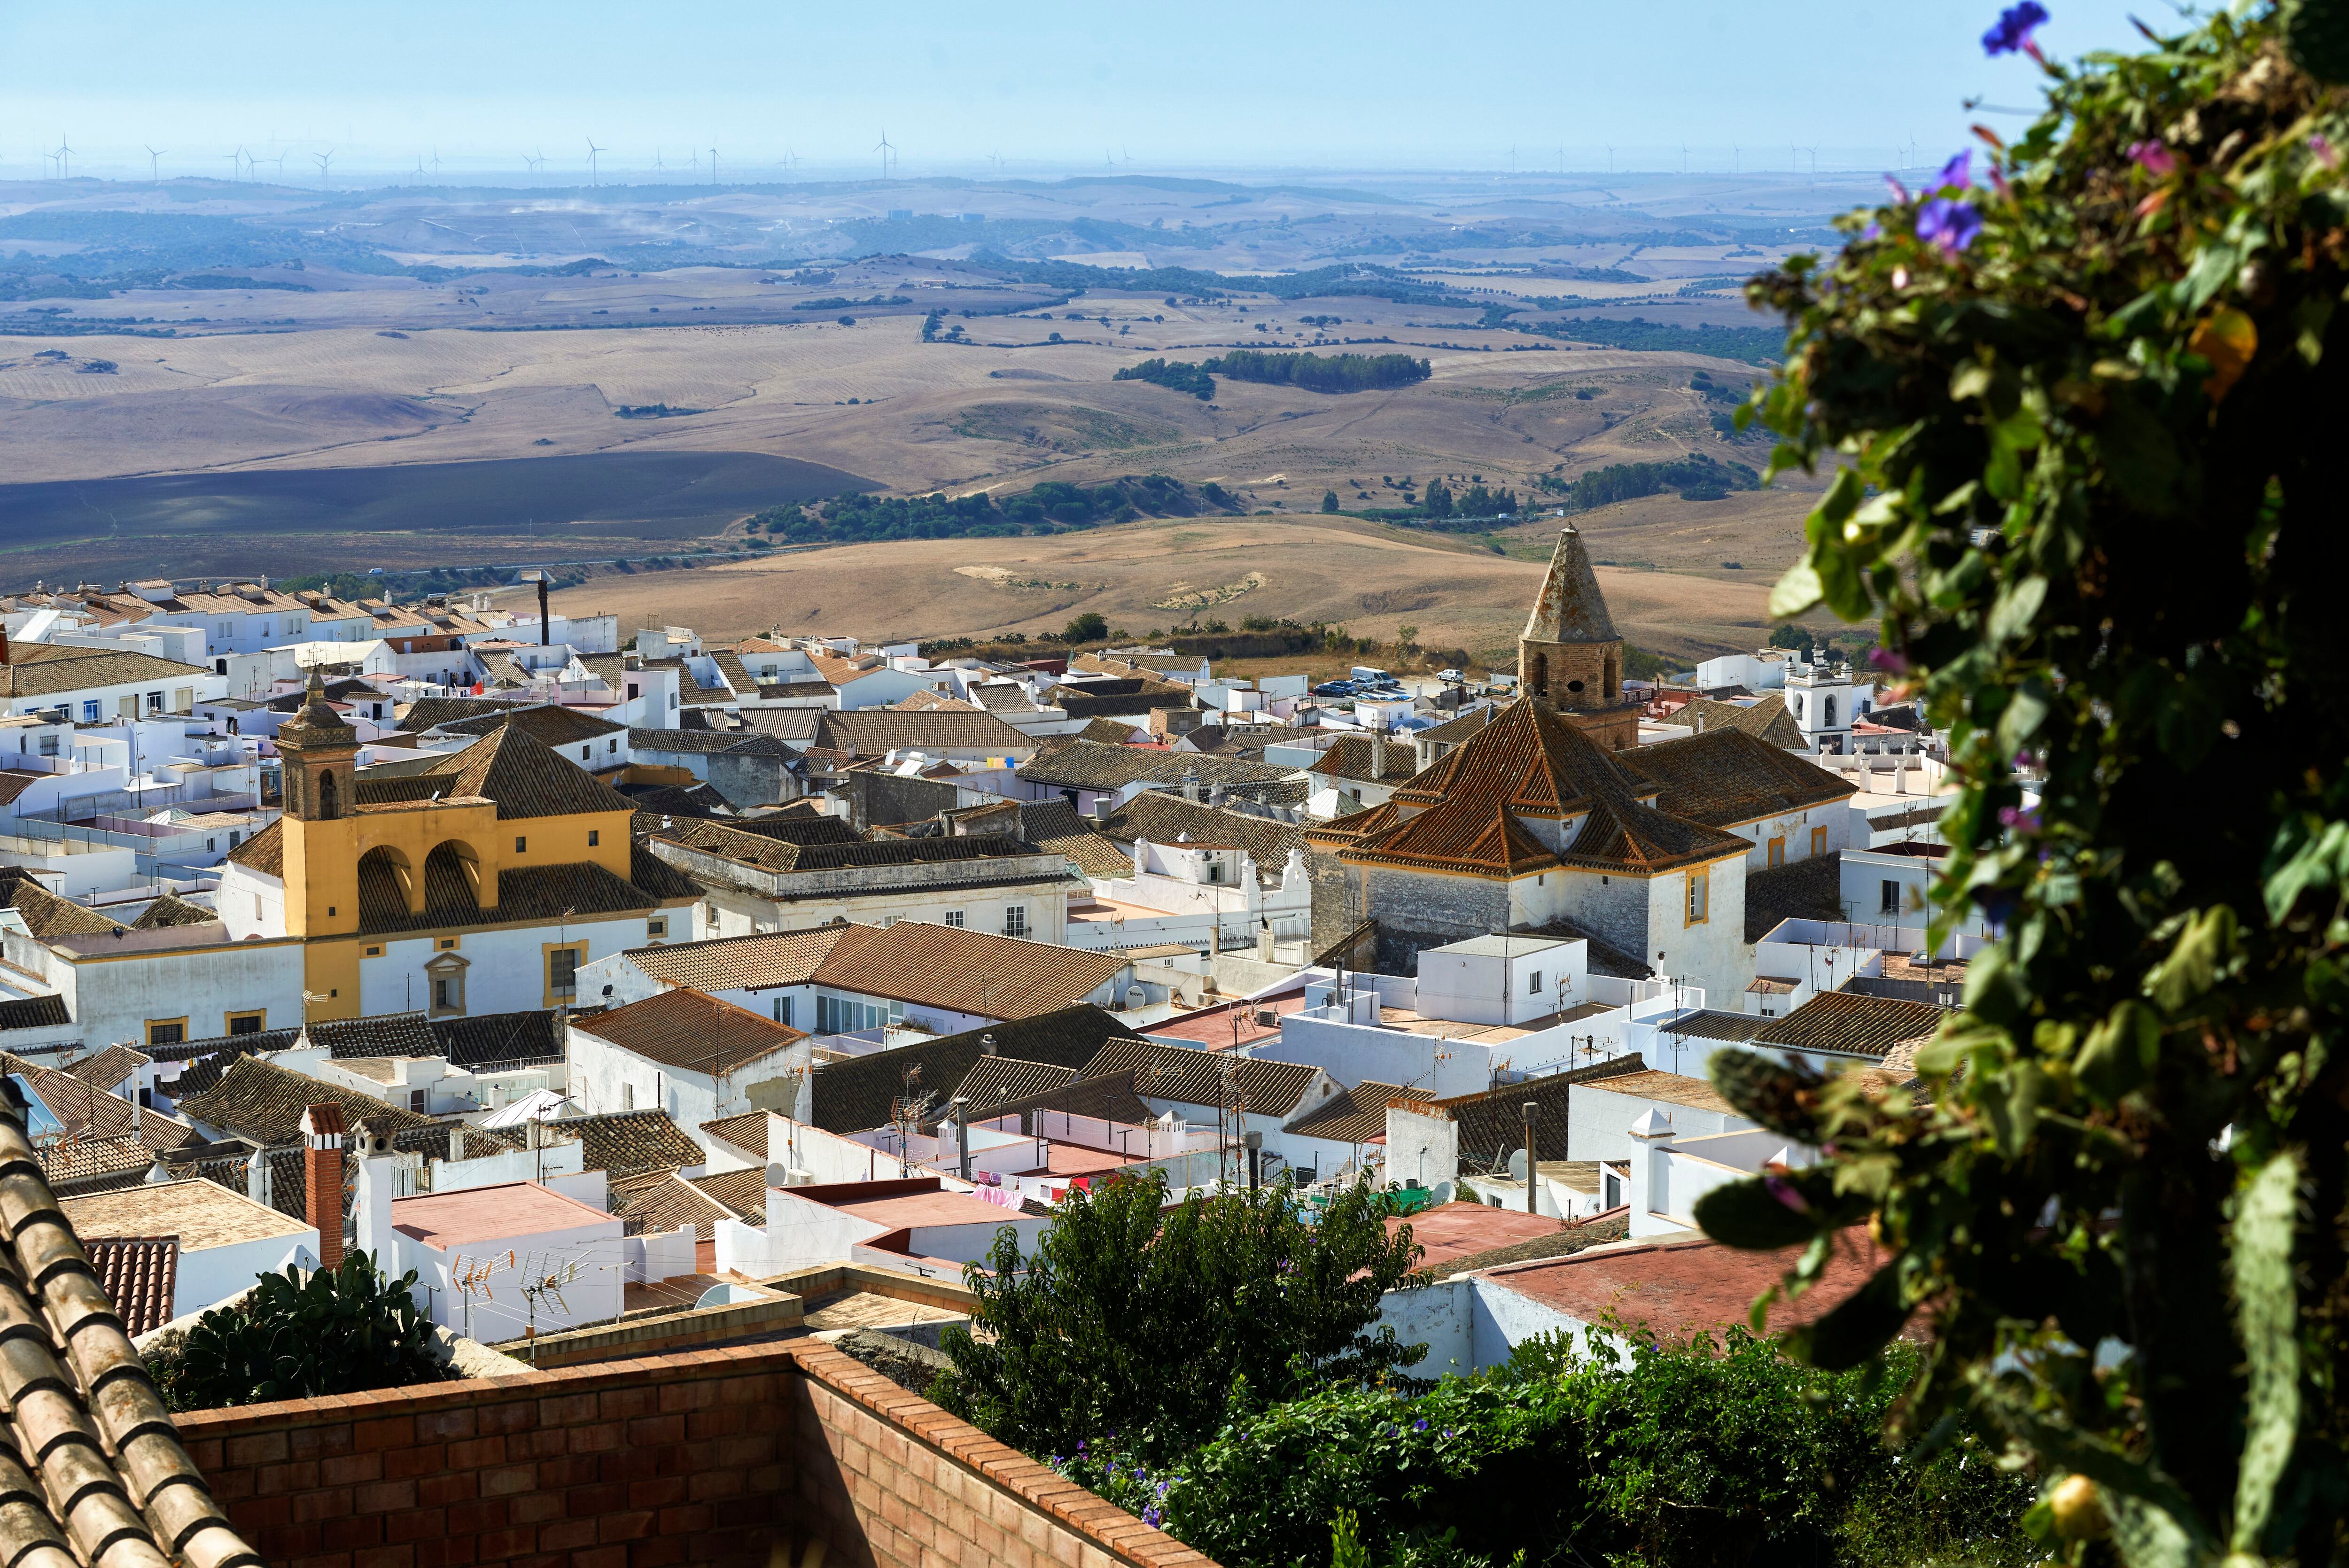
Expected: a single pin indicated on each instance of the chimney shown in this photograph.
(457, 1140)
(256, 1179)
(371, 1221)
(1533, 1161)
(1378, 753)
(962, 1136)
(1191, 786)
(1215, 793)
(543, 638)
(322, 1174)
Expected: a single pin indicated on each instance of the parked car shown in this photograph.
(1452, 677)
(1334, 688)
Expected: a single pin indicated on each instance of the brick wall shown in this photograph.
(740, 1455)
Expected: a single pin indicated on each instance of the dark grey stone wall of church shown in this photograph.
(1612, 907)
(1336, 904)
(1416, 911)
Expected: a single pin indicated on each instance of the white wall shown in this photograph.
(212, 1274)
(505, 968)
(1491, 988)
(112, 998)
(594, 1295)
(1598, 1120)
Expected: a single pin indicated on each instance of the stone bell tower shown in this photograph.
(320, 753)
(1570, 656)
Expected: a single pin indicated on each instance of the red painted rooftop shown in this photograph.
(505, 1212)
(1458, 1229)
(1211, 1026)
(1675, 1289)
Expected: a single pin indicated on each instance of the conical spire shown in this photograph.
(1571, 609)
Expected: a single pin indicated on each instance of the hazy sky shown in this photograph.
(1369, 83)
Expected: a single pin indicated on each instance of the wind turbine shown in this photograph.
(1736, 159)
(1610, 158)
(537, 165)
(1684, 158)
(436, 166)
(885, 150)
(595, 176)
(65, 158)
(154, 160)
(235, 163)
(713, 166)
(322, 160)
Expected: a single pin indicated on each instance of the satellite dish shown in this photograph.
(1516, 1164)
(1441, 1195)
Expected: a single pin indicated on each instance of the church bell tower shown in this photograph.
(320, 752)
(1570, 656)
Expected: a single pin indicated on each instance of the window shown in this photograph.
(783, 1011)
(48, 745)
(245, 1022)
(183, 698)
(583, 753)
(1829, 711)
(446, 943)
(1215, 871)
(627, 1097)
(563, 971)
(1699, 887)
(657, 928)
(632, 691)
(1889, 897)
(256, 906)
(154, 702)
(415, 1100)
(375, 953)
(444, 992)
(1818, 841)
(953, 918)
(1533, 983)
(1778, 851)
(595, 836)
(611, 748)
(1015, 919)
(166, 1031)
(522, 845)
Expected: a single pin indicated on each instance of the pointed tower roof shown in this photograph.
(1571, 609)
(318, 725)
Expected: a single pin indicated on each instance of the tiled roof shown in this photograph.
(549, 724)
(630, 1142)
(1851, 1025)
(110, 1066)
(747, 743)
(1726, 777)
(34, 1013)
(1002, 697)
(1090, 765)
(744, 1192)
(657, 1202)
(141, 1275)
(870, 732)
(54, 669)
(172, 910)
(1127, 664)
(1107, 731)
(926, 701)
(263, 1102)
(1054, 825)
(1529, 762)
(433, 712)
(475, 1042)
(1712, 1025)
(651, 874)
(775, 854)
(1492, 1124)
(747, 1133)
(383, 1035)
(1458, 731)
(741, 963)
(84, 1109)
(265, 851)
(524, 779)
(90, 1164)
(1356, 1115)
(794, 727)
(1767, 720)
(1570, 608)
(46, 913)
(994, 1080)
(95, 1478)
(972, 972)
(1115, 700)
(1161, 816)
(689, 1030)
(526, 895)
(1196, 1078)
(1669, 1089)
(855, 1095)
(1350, 756)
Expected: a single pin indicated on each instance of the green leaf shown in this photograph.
(2318, 860)
(1858, 1327)
(2119, 1052)
(2267, 1313)
(2016, 608)
(1970, 380)
(1796, 592)
(2195, 961)
(1840, 584)
(2214, 267)
(1753, 1216)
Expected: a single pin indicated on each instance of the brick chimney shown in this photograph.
(322, 1170)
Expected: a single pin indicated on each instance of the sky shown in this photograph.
(1046, 85)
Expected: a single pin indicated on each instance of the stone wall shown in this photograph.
(1416, 910)
(743, 1455)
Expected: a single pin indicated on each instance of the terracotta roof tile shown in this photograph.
(1161, 816)
(1851, 1025)
(746, 1133)
(631, 1142)
(1196, 1078)
(692, 1030)
(1723, 777)
(1356, 1115)
(110, 1066)
(1054, 825)
(871, 732)
(263, 1103)
(1349, 756)
(1767, 720)
(525, 779)
(855, 1095)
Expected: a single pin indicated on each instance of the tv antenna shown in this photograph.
(542, 1277)
(886, 150)
(595, 175)
(154, 163)
(323, 159)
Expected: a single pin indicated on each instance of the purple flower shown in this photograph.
(2016, 817)
(2154, 158)
(1161, 1489)
(1783, 1190)
(1873, 232)
(1958, 172)
(1420, 1424)
(1151, 1516)
(2326, 153)
(1949, 224)
(1887, 660)
(2015, 25)
(1899, 191)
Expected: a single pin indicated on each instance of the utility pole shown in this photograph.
(1533, 1172)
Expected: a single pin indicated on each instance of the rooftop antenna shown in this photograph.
(322, 160)
(154, 160)
(595, 176)
(885, 150)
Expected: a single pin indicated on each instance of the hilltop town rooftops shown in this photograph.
(445, 1220)
(689, 1030)
(1726, 777)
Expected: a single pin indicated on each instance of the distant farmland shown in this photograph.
(296, 519)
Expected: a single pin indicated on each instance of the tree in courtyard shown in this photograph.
(2079, 407)
(1144, 1322)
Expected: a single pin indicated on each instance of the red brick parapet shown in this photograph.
(733, 1455)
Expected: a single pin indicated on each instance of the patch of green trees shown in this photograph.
(1753, 345)
(1177, 375)
(1320, 373)
(1054, 507)
(1695, 476)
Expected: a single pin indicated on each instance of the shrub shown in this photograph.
(2082, 411)
(297, 1336)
